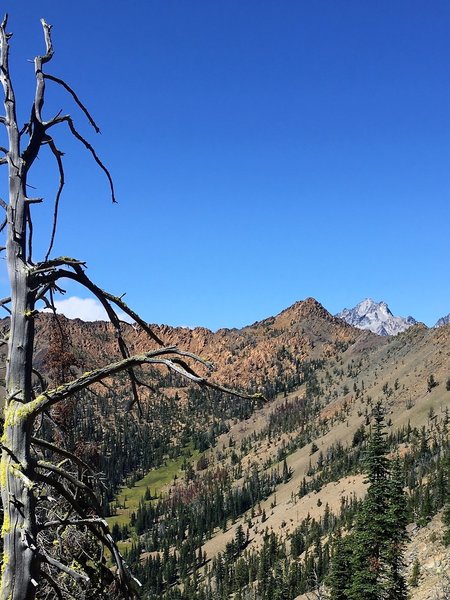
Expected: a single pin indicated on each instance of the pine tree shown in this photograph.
(398, 517)
(415, 575)
(446, 515)
(240, 539)
(287, 473)
(372, 524)
(380, 531)
(341, 567)
(297, 543)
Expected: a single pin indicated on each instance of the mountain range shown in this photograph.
(320, 377)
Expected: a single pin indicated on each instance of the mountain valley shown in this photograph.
(282, 471)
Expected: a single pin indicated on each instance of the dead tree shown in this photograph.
(28, 481)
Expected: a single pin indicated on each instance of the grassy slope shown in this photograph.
(155, 480)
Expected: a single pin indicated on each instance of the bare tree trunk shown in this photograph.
(20, 563)
(19, 528)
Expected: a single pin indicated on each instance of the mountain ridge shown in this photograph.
(244, 357)
(320, 376)
(443, 321)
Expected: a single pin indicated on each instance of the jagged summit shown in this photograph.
(376, 317)
(443, 321)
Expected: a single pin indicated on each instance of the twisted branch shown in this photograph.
(68, 119)
(71, 522)
(42, 464)
(57, 154)
(101, 534)
(154, 357)
(38, 62)
(41, 379)
(62, 452)
(75, 97)
(52, 583)
(80, 277)
(80, 577)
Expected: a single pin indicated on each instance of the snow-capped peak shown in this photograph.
(443, 321)
(376, 317)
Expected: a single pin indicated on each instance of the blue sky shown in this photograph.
(262, 151)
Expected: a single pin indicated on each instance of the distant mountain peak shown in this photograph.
(376, 317)
(443, 321)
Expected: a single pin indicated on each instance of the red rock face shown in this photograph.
(243, 358)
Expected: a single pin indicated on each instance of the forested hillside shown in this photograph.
(259, 498)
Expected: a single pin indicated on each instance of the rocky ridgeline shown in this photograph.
(376, 317)
(245, 357)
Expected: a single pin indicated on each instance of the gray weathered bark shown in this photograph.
(20, 562)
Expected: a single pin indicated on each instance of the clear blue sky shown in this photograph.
(263, 152)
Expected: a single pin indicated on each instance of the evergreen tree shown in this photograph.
(341, 567)
(380, 530)
(415, 575)
(372, 523)
(240, 539)
(446, 515)
(398, 517)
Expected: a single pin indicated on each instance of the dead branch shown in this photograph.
(41, 295)
(48, 265)
(41, 380)
(105, 299)
(4, 302)
(80, 577)
(123, 348)
(75, 97)
(68, 119)
(36, 127)
(63, 491)
(101, 535)
(30, 235)
(40, 81)
(42, 464)
(72, 522)
(52, 584)
(154, 357)
(48, 446)
(57, 154)
(10, 102)
(80, 277)
(141, 383)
